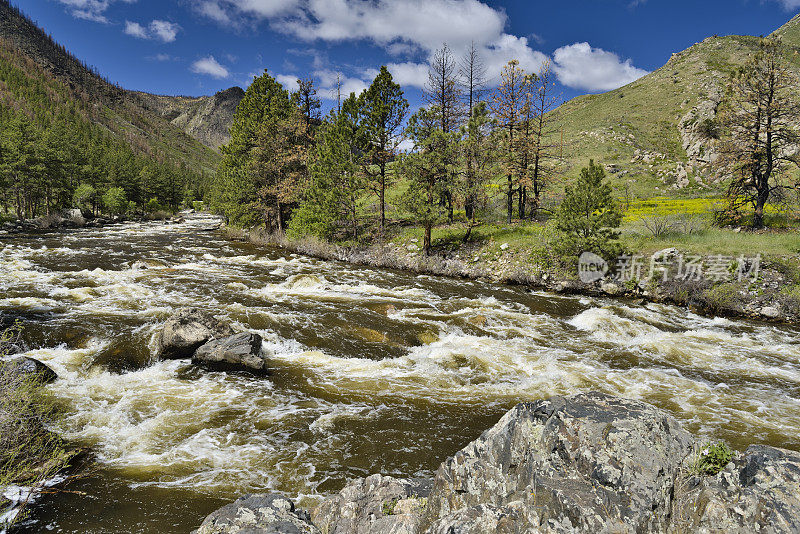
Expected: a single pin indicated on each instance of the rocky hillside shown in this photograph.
(206, 118)
(655, 135)
(26, 49)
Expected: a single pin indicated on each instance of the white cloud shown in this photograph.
(408, 28)
(288, 81)
(325, 82)
(790, 5)
(134, 29)
(160, 30)
(582, 67)
(91, 9)
(211, 67)
(162, 57)
(235, 12)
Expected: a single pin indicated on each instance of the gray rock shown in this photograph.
(28, 367)
(258, 514)
(374, 505)
(186, 331)
(758, 491)
(770, 312)
(239, 352)
(588, 463)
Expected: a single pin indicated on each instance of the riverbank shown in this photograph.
(758, 287)
(584, 463)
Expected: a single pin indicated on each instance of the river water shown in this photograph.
(374, 371)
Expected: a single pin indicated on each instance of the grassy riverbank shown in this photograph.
(523, 253)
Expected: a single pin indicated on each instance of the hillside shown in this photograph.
(206, 118)
(30, 57)
(653, 134)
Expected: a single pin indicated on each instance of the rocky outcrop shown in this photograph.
(589, 463)
(184, 332)
(206, 118)
(258, 514)
(239, 352)
(374, 505)
(759, 491)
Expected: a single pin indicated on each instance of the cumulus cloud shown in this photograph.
(288, 81)
(581, 66)
(160, 30)
(91, 9)
(210, 67)
(417, 28)
(790, 5)
(325, 82)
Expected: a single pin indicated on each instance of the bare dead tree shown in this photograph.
(759, 117)
(443, 94)
(472, 77)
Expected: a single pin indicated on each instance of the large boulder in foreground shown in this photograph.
(374, 505)
(258, 514)
(239, 352)
(587, 463)
(759, 491)
(186, 331)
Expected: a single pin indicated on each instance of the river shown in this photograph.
(373, 371)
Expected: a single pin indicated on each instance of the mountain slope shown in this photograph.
(28, 52)
(655, 135)
(206, 118)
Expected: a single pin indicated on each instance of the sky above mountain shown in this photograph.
(195, 47)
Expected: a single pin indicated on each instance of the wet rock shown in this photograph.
(184, 332)
(770, 312)
(239, 352)
(759, 491)
(374, 505)
(28, 367)
(258, 514)
(587, 463)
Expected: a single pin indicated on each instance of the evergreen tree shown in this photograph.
(331, 202)
(589, 214)
(384, 109)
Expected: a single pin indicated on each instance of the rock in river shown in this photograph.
(28, 367)
(186, 331)
(589, 463)
(258, 514)
(239, 352)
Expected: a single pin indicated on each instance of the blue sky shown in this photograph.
(195, 47)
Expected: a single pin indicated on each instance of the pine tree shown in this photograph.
(479, 150)
(384, 109)
(589, 214)
(508, 105)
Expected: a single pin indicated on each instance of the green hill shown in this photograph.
(34, 65)
(655, 135)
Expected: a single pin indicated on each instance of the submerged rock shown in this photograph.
(374, 505)
(239, 352)
(186, 331)
(258, 514)
(28, 367)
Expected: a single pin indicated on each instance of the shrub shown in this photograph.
(153, 206)
(85, 197)
(711, 459)
(115, 201)
(29, 454)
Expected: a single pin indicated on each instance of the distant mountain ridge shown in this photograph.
(126, 114)
(206, 118)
